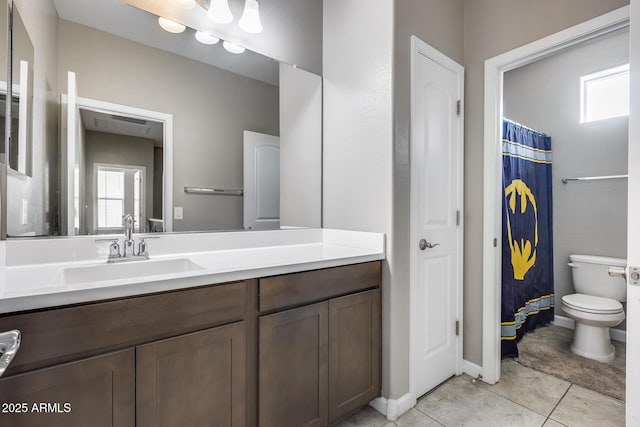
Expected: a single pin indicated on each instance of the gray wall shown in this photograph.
(211, 107)
(492, 27)
(117, 150)
(40, 20)
(589, 217)
(300, 148)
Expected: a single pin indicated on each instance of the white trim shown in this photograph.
(167, 141)
(471, 369)
(393, 408)
(380, 405)
(565, 322)
(420, 47)
(492, 226)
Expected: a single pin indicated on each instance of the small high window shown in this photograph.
(604, 94)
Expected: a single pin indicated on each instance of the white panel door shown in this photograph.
(436, 242)
(261, 201)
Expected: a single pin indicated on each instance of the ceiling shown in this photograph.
(109, 123)
(124, 20)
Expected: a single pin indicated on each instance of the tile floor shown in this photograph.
(523, 397)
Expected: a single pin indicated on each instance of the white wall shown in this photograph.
(300, 148)
(358, 127)
(492, 27)
(588, 217)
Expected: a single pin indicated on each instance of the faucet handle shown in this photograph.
(142, 248)
(114, 248)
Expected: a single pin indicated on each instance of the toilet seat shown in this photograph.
(592, 304)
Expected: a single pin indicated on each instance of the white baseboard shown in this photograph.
(565, 322)
(471, 369)
(393, 408)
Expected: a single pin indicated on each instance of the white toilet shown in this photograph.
(596, 305)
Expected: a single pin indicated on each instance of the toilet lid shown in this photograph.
(591, 304)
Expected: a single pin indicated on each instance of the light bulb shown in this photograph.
(183, 4)
(219, 12)
(232, 47)
(206, 38)
(250, 20)
(171, 26)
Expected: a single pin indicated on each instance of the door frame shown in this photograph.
(492, 222)
(419, 47)
(167, 144)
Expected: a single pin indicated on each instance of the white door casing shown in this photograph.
(492, 215)
(633, 226)
(437, 87)
(261, 182)
(71, 102)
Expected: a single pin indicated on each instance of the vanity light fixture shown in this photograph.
(232, 47)
(206, 38)
(171, 26)
(183, 4)
(219, 12)
(250, 20)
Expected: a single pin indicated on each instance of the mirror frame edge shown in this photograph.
(7, 128)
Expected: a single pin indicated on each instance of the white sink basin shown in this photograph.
(125, 270)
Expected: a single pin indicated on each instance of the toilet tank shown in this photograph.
(591, 277)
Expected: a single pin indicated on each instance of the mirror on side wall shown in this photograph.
(157, 125)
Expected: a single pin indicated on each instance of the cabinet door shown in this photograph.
(354, 352)
(91, 392)
(293, 379)
(198, 379)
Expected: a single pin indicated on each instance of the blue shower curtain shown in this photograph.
(527, 240)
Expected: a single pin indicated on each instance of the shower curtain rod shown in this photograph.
(523, 126)
(594, 178)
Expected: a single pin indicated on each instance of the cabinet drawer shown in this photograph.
(302, 288)
(58, 335)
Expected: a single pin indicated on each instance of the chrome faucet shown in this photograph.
(128, 253)
(127, 225)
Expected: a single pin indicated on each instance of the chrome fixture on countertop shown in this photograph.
(9, 345)
(129, 252)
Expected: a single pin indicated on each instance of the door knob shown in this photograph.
(617, 272)
(423, 244)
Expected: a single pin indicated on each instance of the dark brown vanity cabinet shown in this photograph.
(176, 358)
(320, 362)
(295, 350)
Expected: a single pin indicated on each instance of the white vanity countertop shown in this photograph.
(36, 273)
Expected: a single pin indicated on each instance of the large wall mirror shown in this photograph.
(124, 117)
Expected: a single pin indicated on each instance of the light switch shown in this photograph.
(177, 212)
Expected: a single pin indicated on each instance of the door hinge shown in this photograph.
(457, 327)
(495, 242)
(458, 217)
(458, 107)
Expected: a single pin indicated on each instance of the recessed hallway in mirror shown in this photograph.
(123, 169)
